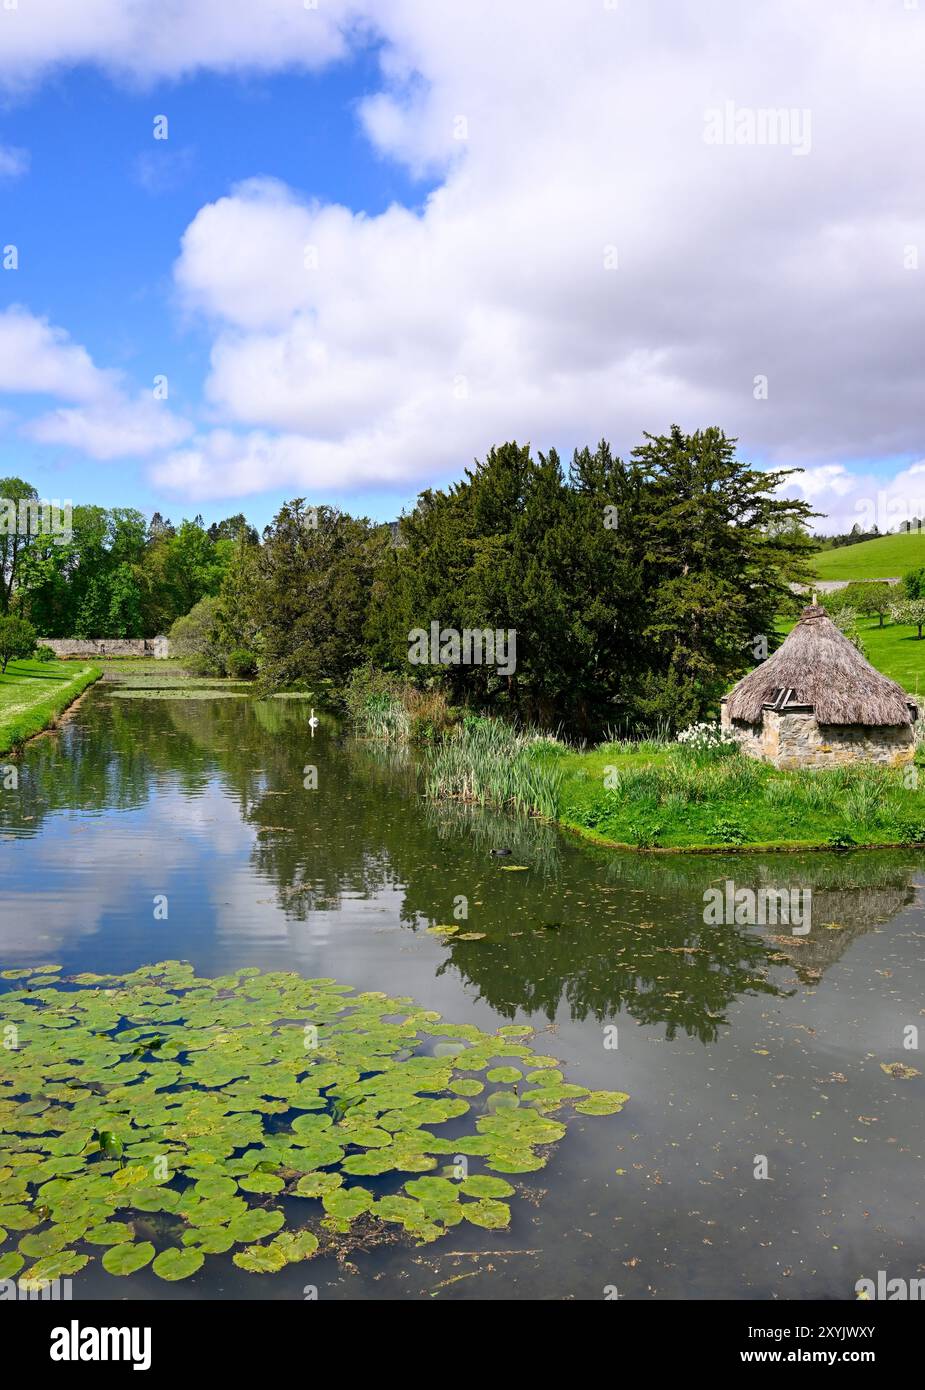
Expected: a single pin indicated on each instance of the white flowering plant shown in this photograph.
(708, 737)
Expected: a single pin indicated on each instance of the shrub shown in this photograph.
(910, 832)
(195, 639)
(644, 836)
(841, 840)
(913, 585)
(44, 654)
(241, 664)
(728, 832)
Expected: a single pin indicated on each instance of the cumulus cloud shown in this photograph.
(35, 356)
(137, 40)
(123, 427)
(620, 235)
(861, 498)
(589, 264)
(105, 420)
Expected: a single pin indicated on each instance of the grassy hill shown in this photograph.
(880, 559)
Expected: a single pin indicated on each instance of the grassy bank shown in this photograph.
(654, 794)
(651, 796)
(34, 693)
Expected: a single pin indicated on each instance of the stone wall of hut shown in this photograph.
(794, 739)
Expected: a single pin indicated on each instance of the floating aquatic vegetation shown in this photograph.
(156, 1118)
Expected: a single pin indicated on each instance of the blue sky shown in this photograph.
(383, 237)
(99, 218)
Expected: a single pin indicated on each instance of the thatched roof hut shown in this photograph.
(842, 709)
(818, 666)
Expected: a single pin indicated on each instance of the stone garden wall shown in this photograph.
(64, 647)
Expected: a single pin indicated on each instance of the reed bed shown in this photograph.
(489, 763)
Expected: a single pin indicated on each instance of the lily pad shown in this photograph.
(174, 1264)
(10, 1264)
(58, 1266)
(261, 1182)
(159, 1094)
(481, 1185)
(602, 1103)
(505, 1074)
(260, 1259)
(493, 1216)
(255, 1225)
(126, 1259)
(295, 1245)
(109, 1233)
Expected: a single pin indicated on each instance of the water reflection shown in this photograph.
(733, 1040)
(557, 923)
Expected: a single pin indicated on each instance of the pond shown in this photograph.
(765, 1151)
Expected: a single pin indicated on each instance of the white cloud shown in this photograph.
(564, 136)
(120, 428)
(37, 357)
(847, 498)
(584, 140)
(105, 421)
(14, 162)
(135, 39)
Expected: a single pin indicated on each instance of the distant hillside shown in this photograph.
(884, 558)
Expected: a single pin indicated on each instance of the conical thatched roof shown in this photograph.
(818, 666)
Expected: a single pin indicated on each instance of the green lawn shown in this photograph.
(34, 693)
(887, 557)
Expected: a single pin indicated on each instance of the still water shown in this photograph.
(736, 1043)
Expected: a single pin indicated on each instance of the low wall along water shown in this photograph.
(64, 647)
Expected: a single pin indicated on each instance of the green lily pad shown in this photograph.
(174, 1264)
(261, 1182)
(128, 1258)
(347, 1203)
(317, 1184)
(211, 1240)
(255, 1225)
(493, 1216)
(602, 1103)
(47, 1242)
(10, 1264)
(109, 1233)
(260, 1259)
(214, 1185)
(58, 1266)
(505, 1074)
(295, 1245)
(481, 1185)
